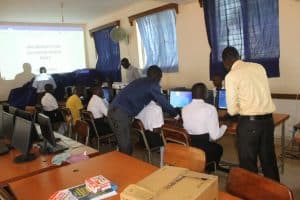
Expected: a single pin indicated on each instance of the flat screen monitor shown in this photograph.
(7, 125)
(21, 140)
(49, 145)
(222, 99)
(209, 97)
(106, 94)
(179, 99)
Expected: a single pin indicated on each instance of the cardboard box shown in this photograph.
(173, 183)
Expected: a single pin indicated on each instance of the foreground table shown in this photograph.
(119, 168)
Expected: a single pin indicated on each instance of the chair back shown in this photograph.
(176, 134)
(184, 156)
(89, 118)
(81, 130)
(251, 186)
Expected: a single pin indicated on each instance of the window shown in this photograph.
(249, 26)
(157, 40)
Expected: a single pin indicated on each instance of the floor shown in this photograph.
(290, 177)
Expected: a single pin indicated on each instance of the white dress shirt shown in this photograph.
(98, 106)
(201, 118)
(41, 80)
(247, 90)
(132, 73)
(49, 102)
(151, 116)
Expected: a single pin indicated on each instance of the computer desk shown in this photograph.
(279, 119)
(11, 171)
(118, 167)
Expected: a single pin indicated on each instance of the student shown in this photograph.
(200, 119)
(50, 105)
(248, 94)
(74, 103)
(152, 118)
(217, 80)
(131, 100)
(132, 73)
(99, 107)
(40, 81)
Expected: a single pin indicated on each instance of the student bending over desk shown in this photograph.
(200, 119)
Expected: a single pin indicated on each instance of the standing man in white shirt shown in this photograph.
(248, 94)
(132, 72)
(50, 105)
(99, 107)
(200, 119)
(40, 81)
(152, 118)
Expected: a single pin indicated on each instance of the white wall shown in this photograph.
(193, 47)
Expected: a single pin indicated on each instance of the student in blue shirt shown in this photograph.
(131, 100)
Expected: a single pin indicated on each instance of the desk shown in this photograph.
(119, 168)
(11, 171)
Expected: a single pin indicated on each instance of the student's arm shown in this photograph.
(215, 132)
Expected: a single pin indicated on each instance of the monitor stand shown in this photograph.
(25, 158)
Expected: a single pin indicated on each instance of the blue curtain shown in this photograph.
(251, 26)
(158, 35)
(108, 63)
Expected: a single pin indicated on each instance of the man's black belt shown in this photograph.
(256, 117)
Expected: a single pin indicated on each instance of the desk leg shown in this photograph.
(282, 146)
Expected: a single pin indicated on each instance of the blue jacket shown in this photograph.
(133, 98)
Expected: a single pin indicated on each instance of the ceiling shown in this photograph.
(74, 11)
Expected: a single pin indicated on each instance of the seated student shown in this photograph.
(201, 122)
(152, 118)
(74, 103)
(49, 104)
(99, 107)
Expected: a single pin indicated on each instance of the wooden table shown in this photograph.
(119, 168)
(11, 171)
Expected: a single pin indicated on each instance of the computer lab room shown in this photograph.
(149, 99)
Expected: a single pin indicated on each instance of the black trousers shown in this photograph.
(153, 139)
(255, 138)
(55, 115)
(120, 122)
(213, 151)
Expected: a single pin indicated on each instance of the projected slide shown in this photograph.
(59, 49)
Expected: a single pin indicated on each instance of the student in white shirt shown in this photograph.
(132, 72)
(50, 105)
(201, 122)
(152, 118)
(99, 107)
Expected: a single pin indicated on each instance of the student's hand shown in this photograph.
(177, 117)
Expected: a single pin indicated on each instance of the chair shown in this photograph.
(68, 119)
(138, 126)
(81, 130)
(251, 186)
(184, 156)
(176, 134)
(89, 118)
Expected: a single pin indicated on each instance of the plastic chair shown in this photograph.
(81, 130)
(184, 156)
(251, 186)
(88, 117)
(138, 126)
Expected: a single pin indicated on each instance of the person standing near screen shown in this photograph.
(132, 73)
(40, 81)
(131, 100)
(201, 121)
(248, 94)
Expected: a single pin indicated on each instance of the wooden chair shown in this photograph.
(184, 156)
(251, 186)
(138, 126)
(176, 134)
(88, 117)
(68, 119)
(81, 130)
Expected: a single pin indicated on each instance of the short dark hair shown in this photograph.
(43, 69)
(230, 53)
(199, 91)
(124, 60)
(48, 87)
(154, 72)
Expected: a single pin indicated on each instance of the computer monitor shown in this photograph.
(21, 140)
(222, 99)
(49, 145)
(106, 94)
(179, 99)
(209, 97)
(7, 125)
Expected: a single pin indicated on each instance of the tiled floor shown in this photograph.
(291, 176)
